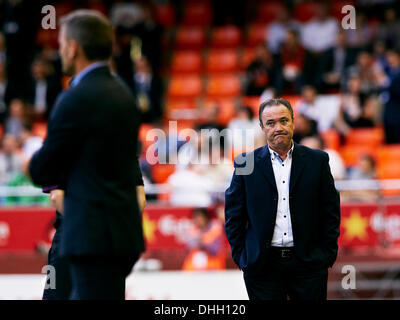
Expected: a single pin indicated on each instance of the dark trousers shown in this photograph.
(287, 278)
(99, 278)
(63, 283)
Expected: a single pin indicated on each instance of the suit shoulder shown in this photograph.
(240, 160)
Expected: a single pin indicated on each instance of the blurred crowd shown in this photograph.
(344, 79)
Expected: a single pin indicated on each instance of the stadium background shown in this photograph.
(207, 60)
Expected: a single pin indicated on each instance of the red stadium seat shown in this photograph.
(185, 86)
(223, 86)
(337, 8)
(373, 137)
(165, 15)
(197, 13)
(222, 61)
(226, 37)
(190, 38)
(253, 102)
(186, 62)
(388, 153)
(269, 11)
(226, 108)
(256, 35)
(389, 170)
(331, 139)
(305, 11)
(161, 172)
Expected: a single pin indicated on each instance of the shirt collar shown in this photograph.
(85, 71)
(274, 155)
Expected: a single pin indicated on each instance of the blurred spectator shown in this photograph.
(43, 89)
(205, 243)
(209, 119)
(314, 108)
(3, 92)
(10, 159)
(244, 129)
(148, 89)
(334, 62)
(17, 117)
(379, 55)
(360, 37)
(389, 30)
(292, 57)
(391, 114)
(262, 74)
(393, 63)
(364, 170)
(2, 49)
(126, 15)
(336, 163)
(278, 30)
(29, 142)
(304, 127)
(373, 78)
(190, 187)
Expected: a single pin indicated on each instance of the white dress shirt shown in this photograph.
(283, 235)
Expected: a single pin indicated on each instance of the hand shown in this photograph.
(57, 199)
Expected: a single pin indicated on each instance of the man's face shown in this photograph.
(277, 124)
(67, 53)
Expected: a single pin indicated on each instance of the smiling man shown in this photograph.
(282, 220)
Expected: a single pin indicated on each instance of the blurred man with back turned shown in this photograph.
(282, 219)
(90, 152)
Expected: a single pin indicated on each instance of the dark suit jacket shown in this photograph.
(251, 204)
(90, 149)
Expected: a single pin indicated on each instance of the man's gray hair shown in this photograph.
(92, 31)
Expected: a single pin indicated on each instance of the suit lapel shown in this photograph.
(298, 163)
(263, 162)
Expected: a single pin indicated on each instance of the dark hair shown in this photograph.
(92, 31)
(248, 110)
(273, 103)
(201, 211)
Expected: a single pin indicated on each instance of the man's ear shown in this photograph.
(73, 49)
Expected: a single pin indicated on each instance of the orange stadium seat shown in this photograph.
(186, 62)
(39, 129)
(247, 57)
(331, 139)
(388, 153)
(197, 13)
(373, 137)
(229, 36)
(222, 61)
(192, 38)
(293, 100)
(253, 102)
(185, 86)
(223, 86)
(161, 172)
(352, 153)
(389, 170)
(227, 108)
(256, 35)
(269, 11)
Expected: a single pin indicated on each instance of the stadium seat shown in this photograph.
(388, 153)
(293, 100)
(219, 61)
(373, 137)
(165, 15)
(352, 153)
(226, 37)
(186, 62)
(247, 56)
(269, 11)
(198, 13)
(256, 35)
(190, 38)
(185, 86)
(253, 102)
(223, 86)
(305, 11)
(226, 109)
(331, 139)
(389, 170)
(39, 129)
(161, 172)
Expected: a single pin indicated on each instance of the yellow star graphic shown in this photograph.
(149, 227)
(355, 226)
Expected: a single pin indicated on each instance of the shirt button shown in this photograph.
(283, 165)
(284, 216)
(284, 234)
(283, 181)
(284, 198)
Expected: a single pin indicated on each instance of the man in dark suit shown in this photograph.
(282, 218)
(90, 149)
